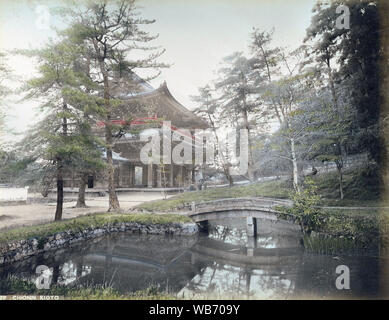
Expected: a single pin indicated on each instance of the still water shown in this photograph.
(224, 263)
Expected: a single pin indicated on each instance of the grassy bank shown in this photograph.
(361, 189)
(275, 189)
(88, 221)
(334, 232)
(16, 286)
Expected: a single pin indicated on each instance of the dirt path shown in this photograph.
(37, 213)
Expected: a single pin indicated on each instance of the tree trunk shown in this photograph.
(225, 165)
(113, 200)
(81, 192)
(250, 160)
(339, 166)
(228, 176)
(58, 211)
(59, 208)
(341, 184)
(295, 167)
(250, 172)
(332, 86)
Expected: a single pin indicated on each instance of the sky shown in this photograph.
(196, 34)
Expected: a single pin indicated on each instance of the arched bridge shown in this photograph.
(250, 208)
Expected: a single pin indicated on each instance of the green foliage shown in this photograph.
(90, 221)
(63, 139)
(12, 167)
(305, 207)
(330, 245)
(361, 186)
(14, 285)
(343, 233)
(356, 51)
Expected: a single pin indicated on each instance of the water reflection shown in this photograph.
(223, 264)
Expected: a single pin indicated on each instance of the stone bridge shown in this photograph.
(249, 208)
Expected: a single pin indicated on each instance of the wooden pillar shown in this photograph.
(131, 174)
(190, 176)
(150, 176)
(251, 224)
(193, 172)
(159, 176)
(171, 175)
(144, 175)
(181, 182)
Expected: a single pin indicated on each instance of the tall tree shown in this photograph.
(81, 97)
(111, 30)
(280, 93)
(237, 86)
(61, 142)
(349, 59)
(209, 109)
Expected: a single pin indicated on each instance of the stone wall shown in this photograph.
(19, 250)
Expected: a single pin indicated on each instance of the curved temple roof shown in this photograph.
(142, 100)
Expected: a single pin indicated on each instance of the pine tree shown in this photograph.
(237, 88)
(209, 109)
(279, 93)
(59, 139)
(111, 32)
(348, 61)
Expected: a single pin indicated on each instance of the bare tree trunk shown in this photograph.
(113, 200)
(250, 163)
(81, 191)
(250, 159)
(225, 164)
(58, 211)
(341, 184)
(339, 166)
(339, 163)
(295, 167)
(228, 175)
(59, 207)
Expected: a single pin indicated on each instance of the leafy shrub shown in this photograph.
(305, 207)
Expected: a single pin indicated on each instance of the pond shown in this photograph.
(224, 263)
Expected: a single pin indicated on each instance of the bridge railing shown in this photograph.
(239, 203)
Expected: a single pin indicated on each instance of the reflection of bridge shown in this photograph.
(233, 273)
(235, 255)
(249, 208)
